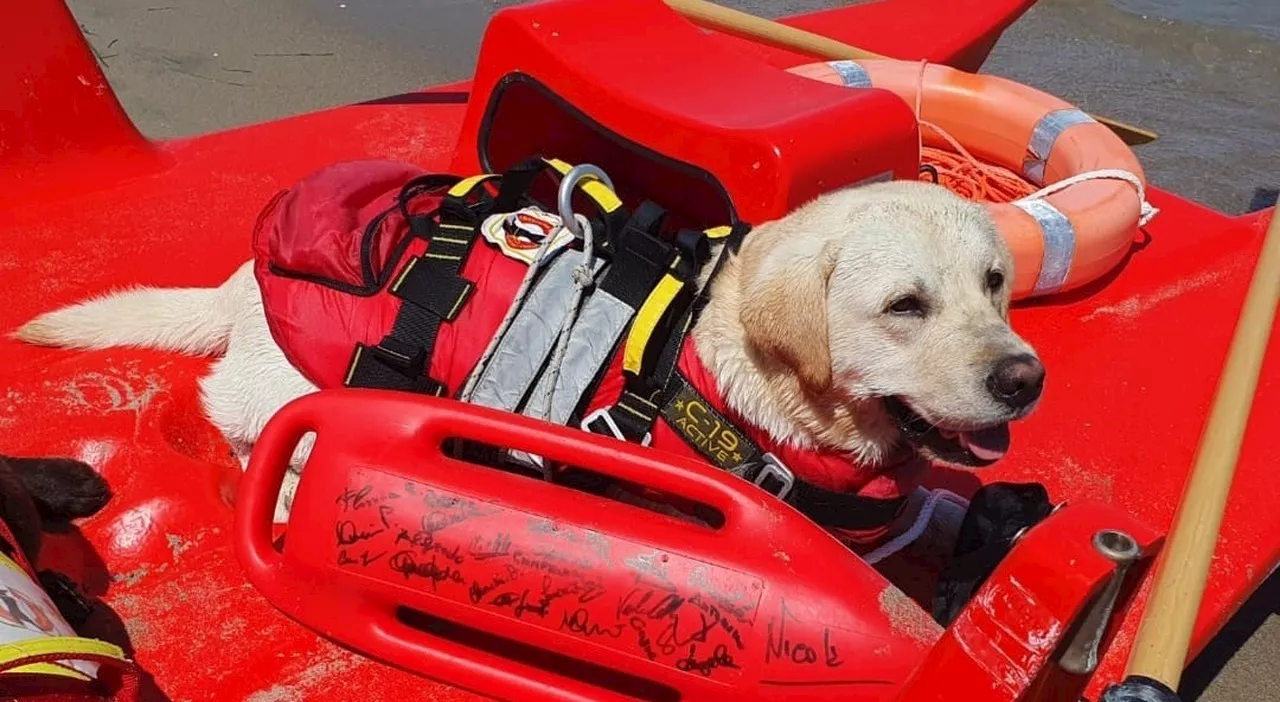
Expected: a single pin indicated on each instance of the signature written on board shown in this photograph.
(579, 622)
(485, 547)
(738, 602)
(424, 538)
(690, 616)
(782, 646)
(348, 534)
(406, 563)
(539, 602)
(364, 559)
(693, 663)
(479, 588)
(712, 611)
(576, 537)
(662, 621)
(351, 500)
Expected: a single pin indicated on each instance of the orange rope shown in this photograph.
(968, 177)
(959, 171)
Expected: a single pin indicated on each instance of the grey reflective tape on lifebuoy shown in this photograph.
(851, 74)
(1046, 132)
(1059, 244)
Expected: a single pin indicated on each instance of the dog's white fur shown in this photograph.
(796, 333)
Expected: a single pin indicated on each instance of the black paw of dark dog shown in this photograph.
(997, 513)
(63, 488)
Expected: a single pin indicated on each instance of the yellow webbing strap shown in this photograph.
(604, 197)
(607, 200)
(68, 647)
(717, 233)
(647, 321)
(466, 185)
(8, 562)
(656, 305)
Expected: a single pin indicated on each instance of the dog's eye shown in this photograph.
(909, 305)
(995, 281)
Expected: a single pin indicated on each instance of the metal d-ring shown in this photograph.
(564, 198)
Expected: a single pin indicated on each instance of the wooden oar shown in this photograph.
(747, 26)
(1164, 637)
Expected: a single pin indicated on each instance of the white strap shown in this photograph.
(917, 527)
(582, 280)
(1147, 211)
(540, 258)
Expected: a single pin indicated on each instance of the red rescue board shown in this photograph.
(523, 589)
(516, 587)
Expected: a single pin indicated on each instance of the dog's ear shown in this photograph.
(784, 301)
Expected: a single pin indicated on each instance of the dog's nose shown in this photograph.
(1017, 380)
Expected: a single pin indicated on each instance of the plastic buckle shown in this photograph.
(614, 431)
(772, 466)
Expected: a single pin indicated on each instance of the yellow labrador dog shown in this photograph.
(870, 322)
(870, 316)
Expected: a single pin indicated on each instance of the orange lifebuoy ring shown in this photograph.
(1066, 235)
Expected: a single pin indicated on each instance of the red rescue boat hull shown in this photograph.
(90, 206)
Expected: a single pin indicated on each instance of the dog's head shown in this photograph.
(896, 295)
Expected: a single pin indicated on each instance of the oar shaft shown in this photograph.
(747, 26)
(740, 24)
(1164, 637)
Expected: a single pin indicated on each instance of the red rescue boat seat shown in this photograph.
(764, 133)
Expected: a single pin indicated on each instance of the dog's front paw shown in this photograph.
(63, 488)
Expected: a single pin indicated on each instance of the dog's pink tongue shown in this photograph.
(987, 444)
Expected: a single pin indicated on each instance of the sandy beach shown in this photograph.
(1206, 76)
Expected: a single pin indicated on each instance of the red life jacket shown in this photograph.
(341, 255)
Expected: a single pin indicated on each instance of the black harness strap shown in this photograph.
(714, 436)
(640, 256)
(432, 291)
(632, 417)
(431, 287)
(516, 182)
(701, 249)
(640, 259)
